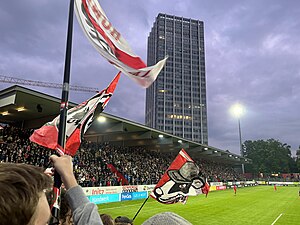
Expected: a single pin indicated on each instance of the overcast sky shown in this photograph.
(252, 57)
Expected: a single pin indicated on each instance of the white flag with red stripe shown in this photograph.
(111, 45)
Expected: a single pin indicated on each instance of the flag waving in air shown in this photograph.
(111, 45)
(79, 119)
(182, 179)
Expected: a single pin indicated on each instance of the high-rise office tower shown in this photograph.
(176, 101)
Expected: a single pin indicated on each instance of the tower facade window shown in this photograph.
(176, 101)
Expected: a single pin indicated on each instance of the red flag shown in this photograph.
(79, 119)
(182, 179)
(111, 44)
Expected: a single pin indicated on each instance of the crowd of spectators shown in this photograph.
(93, 161)
(216, 172)
(16, 147)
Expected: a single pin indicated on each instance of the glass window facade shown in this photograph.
(176, 101)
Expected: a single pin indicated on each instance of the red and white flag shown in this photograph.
(79, 119)
(111, 44)
(182, 179)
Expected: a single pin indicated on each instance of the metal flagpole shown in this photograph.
(140, 208)
(63, 116)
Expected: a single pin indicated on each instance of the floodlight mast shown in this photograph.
(237, 111)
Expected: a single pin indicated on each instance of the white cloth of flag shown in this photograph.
(111, 44)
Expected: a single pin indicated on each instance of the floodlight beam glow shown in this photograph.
(237, 110)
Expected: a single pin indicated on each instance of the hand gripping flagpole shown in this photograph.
(63, 117)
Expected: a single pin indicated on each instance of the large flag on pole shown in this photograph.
(111, 44)
(79, 119)
(182, 179)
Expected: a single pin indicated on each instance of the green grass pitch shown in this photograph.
(251, 205)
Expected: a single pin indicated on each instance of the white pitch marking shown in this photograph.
(277, 219)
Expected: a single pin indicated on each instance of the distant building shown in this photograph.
(176, 101)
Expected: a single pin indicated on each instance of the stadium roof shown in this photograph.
(20, 105)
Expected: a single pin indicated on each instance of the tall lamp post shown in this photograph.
(237, 111)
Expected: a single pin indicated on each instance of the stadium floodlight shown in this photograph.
(215, 151)
(206, 148)
(160, 136)
(237, 110)
(101, 119)
(180, 141)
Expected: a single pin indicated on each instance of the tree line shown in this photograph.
(270, 156)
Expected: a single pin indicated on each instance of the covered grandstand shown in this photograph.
(26, 108)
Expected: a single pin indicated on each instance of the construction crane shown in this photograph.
(13, 80)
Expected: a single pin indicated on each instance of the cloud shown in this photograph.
(252, 56)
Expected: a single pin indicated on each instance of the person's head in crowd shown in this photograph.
(123, 220)
(22, 195)
(65, 210)
(107, 219)
(166, 218)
